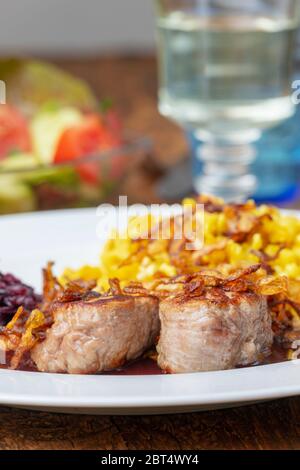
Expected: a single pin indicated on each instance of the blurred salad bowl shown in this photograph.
(62, 157)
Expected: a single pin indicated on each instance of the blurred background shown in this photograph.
(110, 47)
(74, 27)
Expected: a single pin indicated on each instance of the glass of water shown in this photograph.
(225, 72)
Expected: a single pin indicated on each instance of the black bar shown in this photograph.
(141, 459)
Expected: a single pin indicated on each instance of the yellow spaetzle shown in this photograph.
(242, 235)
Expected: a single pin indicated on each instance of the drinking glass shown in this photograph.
(225, 72)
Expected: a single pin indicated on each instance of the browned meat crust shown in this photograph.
(216, 331)
(90, 336)
(209, 322)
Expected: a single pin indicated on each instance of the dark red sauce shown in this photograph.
(144, 366)
(279, 354)
(148, 366)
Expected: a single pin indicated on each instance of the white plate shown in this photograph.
(69, 238)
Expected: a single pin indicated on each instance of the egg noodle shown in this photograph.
(235, 236)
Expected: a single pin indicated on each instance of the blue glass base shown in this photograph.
(277, 166)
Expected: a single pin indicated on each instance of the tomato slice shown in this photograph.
(14, 131)
(80, 140)
(89, 137)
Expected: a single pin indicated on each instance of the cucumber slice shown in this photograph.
(34, 173)
(61, 176)
(47, 128)
(15, 196)
(18, 161)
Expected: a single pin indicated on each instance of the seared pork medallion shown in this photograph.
(206, 308)
(203, 321)
(98, 334)
(79, 330)
(215, 331)
(210, 321)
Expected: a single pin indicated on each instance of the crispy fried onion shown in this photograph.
(283, 294)
(242, 222)
(26, 329)
(295, 350)
(251, 278)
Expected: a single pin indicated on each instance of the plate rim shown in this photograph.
(158, 396)
(152, 399)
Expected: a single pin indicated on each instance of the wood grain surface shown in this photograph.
(273, 425)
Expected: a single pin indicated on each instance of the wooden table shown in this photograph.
(272, 425)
